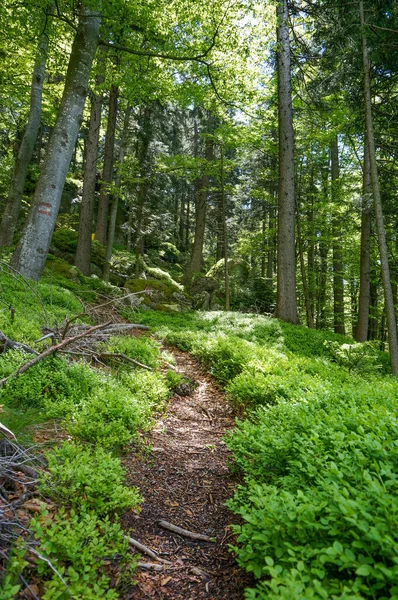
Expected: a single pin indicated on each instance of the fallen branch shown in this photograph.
(147, 550)
(185, 532)
(8, 343)
(124, 357)
(49, 352)
(153, 566)
(68, 323)
(5, 431)
(118, 299)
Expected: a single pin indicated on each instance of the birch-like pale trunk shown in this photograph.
(115, 198)
(286, 303)
(31, 253)
(101, 230)
(12, 209)
(83, 250)
(362, 328)
(381, 233)
(337, 250)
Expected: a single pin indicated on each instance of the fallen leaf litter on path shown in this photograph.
(185, 480)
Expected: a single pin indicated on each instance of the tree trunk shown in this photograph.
(13, 206)
(146, 134)
(286, 303)
(225, 231)
(361, 333)
(83, 251)
(202, 192)
(338, 265)
(107, 170)
(381, 234)
(308, 309)
(115, 200)
(31, 253)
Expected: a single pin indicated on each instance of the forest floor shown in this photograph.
(185, 479)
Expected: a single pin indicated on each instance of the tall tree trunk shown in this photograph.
(107, 169)
(201, 201)
(308, 309)
(286, 303)
(225, 231)
(31, 253)
(146, 135)
(338, 265)
(181, 223)
(13, 206)
(361, 333)
(83, 250)
(115, 199)
(323, 275)
(381, 233)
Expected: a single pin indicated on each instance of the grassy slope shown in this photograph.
(102, 411)
(318, 450)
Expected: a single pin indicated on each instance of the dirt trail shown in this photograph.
(185, 480)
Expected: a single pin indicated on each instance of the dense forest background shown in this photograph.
(162, 136)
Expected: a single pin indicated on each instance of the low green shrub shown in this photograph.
(87, 478)
(79, 546)
(52, 385)
(144, 349)
(118, 408)
(320, 506)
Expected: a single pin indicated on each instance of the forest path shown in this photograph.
(185, 480)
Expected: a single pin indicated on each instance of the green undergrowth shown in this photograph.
(102, 410)
(317, 449)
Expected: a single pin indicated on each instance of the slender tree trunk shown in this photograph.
(381, 233)
(323, 274)
(146, 134)
(361, 333)
(107, 170)
(338, 265)
(83, 251)
(308, 309)
(31, 253)
(271, 239)
(373, 331)
(286, 303)
(225, 231)
(181, 223)
(202, 192)
(115, 200)
(187, 223)
(13, 206)
(220, 229)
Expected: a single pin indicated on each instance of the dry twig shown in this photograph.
(185, 532)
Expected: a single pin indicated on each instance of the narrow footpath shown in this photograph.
(185, 480)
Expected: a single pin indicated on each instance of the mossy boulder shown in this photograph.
(158, 293)
(60, 268)
(238, 269)
(64, 244)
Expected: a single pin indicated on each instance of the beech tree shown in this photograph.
(286, 304)
(31, 252)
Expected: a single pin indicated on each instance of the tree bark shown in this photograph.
(115, 200)
(286, 303)
(13, 206)
(361, 333)
(107, 170)
(202, 192)
(146, 135)
(381, 233)
(338, 265)
(83, 250)
(224, 225)
(31, 253)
